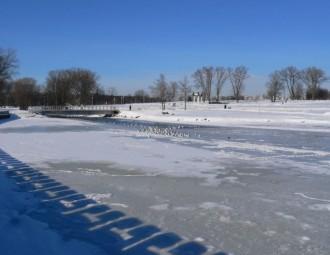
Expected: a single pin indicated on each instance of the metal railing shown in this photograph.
(37, 109)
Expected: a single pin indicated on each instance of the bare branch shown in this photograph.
(237, 77)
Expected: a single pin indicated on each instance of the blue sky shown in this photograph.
(128, 43)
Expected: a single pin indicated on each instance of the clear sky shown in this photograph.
(129, 42)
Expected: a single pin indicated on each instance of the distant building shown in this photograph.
(197, 97)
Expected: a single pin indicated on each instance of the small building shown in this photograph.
(197, 97)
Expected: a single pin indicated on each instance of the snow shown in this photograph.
(30, 135)
(159, 207)
(99, 197)
(114, 146)
(294, 115)
(253, 179)
(285, 216)
(17, 228)
(213, 205)
(320, 207)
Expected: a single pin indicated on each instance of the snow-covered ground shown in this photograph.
(21, 234)
(296, 115)
(253, 179)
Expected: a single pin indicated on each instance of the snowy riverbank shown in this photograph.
(246, 187)
(293, 115)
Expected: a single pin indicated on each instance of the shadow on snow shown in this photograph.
(76, 216)
(11, 118)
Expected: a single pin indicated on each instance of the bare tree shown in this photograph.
(112, 91)
(84, 84)
(221, 76)
(25, 92)
(8, 66)
(185, 90)
(71, 86)
(291, 76)
(313, 78)
(173, 90)
(237, 77)
(204, 78)
(141, 95)
(99, 90)
(209, 76)
(200, 82)
(299, 91)
(159, 89)
(58, 88)
(275, 86)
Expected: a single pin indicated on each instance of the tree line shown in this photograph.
(287, 83)
(72, 86)
(80, 86)
(204, 79)
(299, 84)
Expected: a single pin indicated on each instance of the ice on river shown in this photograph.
(250, 180)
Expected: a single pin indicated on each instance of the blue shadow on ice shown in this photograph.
(11, 118)
(76, 216)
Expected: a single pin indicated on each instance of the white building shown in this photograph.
(197, 97)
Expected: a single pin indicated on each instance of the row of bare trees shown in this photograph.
(8, 66)
(21, 92)
(80, 86)
(206, 78)
(170, 91)
(25, 92)
(68, 86)
(71, 86)
(76, 86)
(296, 82)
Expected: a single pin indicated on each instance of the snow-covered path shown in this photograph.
(241, 190)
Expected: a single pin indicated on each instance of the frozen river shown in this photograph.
(243, 191)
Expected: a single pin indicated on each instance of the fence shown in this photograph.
(39, 109)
